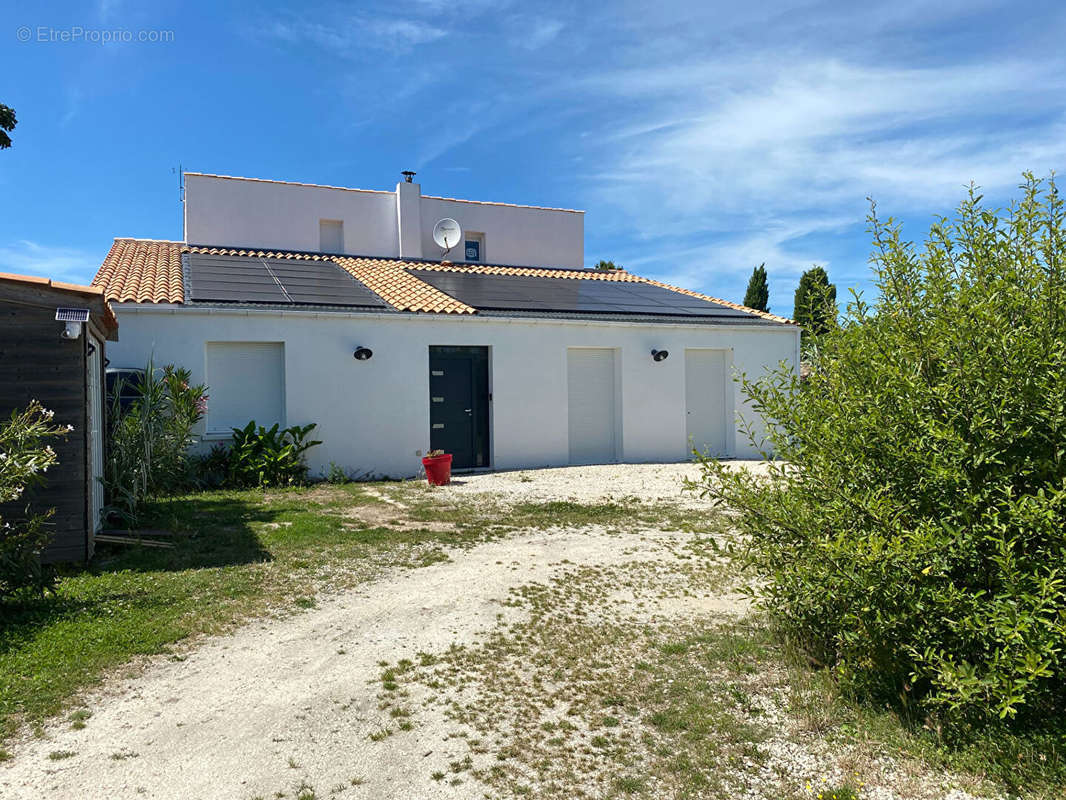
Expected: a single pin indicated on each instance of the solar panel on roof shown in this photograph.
(573, 295)
(245, 279)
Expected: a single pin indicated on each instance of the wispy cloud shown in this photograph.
(533, 33)
(351, 35)
(762, 154)
(61, 263)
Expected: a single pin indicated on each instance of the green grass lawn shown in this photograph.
(236, 554)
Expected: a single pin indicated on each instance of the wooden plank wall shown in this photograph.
(35, 363)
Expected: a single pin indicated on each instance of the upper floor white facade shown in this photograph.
(253, 213)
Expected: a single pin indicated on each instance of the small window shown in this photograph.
(474, 247)
(245, 382)
(331, 236)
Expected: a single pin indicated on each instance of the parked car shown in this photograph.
(126, 380)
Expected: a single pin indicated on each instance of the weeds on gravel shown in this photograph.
(593, 695)
(493, 517)
(77, 719)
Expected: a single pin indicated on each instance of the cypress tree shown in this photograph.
(816, 306)
(758, 294)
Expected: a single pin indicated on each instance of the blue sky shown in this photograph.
(702, 138)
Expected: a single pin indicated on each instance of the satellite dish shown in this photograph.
(447, 233)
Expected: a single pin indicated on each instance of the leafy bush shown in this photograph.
(914, 532)
(149, 440)
(210, 470)
(25, 456)
(269, 456)
(336, 474)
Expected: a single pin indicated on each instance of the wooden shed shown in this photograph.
(61, 364)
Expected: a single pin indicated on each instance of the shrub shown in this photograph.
(913, 533)
(269, 456)
(210, 470)
(149, 440)
(25, 456)
(336, 474)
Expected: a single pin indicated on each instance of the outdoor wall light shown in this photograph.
(74, 319)
(659, 355)
(363, 353)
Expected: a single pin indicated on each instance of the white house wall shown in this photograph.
(244, 212)
(238, 212)
(514, 235)
(374, 415)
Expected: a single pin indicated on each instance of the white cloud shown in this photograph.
(744, 160)
(349, 36)
(60, 263)
(535, 33)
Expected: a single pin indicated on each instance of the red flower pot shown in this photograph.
(438, 469)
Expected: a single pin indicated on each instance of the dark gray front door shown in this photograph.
(459, 404)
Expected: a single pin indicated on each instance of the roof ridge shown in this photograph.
(378, 191)
(498, 203)
(289, 183)
(143, 239)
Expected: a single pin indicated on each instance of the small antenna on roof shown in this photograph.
(181, 194)
(408, 175)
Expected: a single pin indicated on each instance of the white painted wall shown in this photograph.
(238, 212)
(514, 235)
(244, 212)
(374, 415)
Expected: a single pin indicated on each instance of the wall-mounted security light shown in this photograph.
(75, 319)
(659, 355)
(363, 353)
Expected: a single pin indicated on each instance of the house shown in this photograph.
(52, 339)
(300, 303)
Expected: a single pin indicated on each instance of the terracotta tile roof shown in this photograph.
(92, 292)
(142, 271)
(391, 281)
(149, 271)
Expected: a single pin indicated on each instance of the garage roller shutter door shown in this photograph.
(592, 405)
(245, 382)
(706, 408)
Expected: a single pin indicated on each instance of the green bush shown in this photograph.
(149, 440)
(912, 532)
(336, 474)
(269, 456)
(210, 470)
(25, 456)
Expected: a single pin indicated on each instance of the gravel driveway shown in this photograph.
(303, 707)
(285, 701)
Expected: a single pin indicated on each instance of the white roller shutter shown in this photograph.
(245, 382)
(592, 405)
(706, 409)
